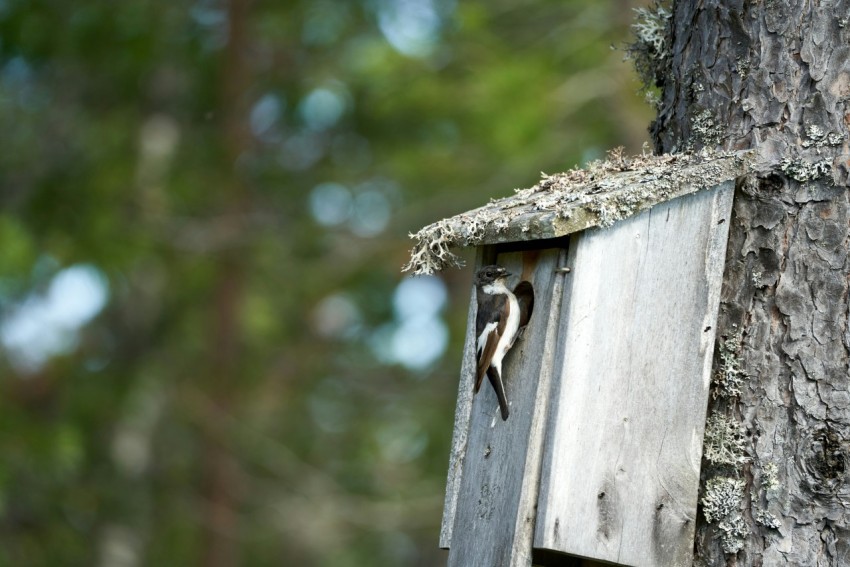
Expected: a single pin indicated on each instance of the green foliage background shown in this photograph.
(218, 411)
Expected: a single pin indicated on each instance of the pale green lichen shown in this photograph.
(650, 51)
(724, 448)
(725, 443)
(721, 506)
(767, 519)
(650, 29)
(723, 496)
(769, 482)
(431, 252)
(770, 477)
(705, 131)
(818, 139)
(742, 67)
(653, 98)
(815, 134)
(730, 376)
(733, 533)
(804, 171)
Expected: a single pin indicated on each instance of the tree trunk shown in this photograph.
(775, 76)
(221, 486)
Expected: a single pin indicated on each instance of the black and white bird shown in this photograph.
(496, 327)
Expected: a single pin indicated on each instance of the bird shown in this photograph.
(496, 325)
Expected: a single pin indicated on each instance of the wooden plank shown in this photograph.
(527, 504)
(494, 508)
(463, 410)
(622, 457)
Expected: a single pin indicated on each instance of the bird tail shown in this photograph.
(496, 382)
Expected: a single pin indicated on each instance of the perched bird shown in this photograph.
(496, 327)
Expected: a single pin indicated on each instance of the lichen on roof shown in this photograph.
(601, 194)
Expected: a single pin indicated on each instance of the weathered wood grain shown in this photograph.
(622, 456)
(461, 426)
(527, 505)
(496, 495)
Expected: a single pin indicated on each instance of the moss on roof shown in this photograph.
(601, 194)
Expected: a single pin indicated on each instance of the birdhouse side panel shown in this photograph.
(622, 453)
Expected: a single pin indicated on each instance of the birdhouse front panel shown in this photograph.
(493, 478)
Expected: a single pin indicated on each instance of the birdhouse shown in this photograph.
(607, 382)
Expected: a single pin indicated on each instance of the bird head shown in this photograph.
(490, 274)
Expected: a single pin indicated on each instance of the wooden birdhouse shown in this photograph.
(608, 383)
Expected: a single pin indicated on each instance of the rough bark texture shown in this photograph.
(772, 75)
(775, 76)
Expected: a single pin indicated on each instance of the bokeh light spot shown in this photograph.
(410, 26)
(322, 108)
(418, 336)
(419, 342)
(371, 214)
(419, 297)
(265, 113)
(331, 204)
(46, 325)
(301, 151)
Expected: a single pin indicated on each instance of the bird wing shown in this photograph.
(489, 326)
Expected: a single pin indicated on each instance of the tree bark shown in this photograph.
(774, 76)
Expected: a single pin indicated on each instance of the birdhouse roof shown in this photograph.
(603, 193)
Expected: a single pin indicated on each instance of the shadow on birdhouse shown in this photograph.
(617, 271)
(524, 293)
